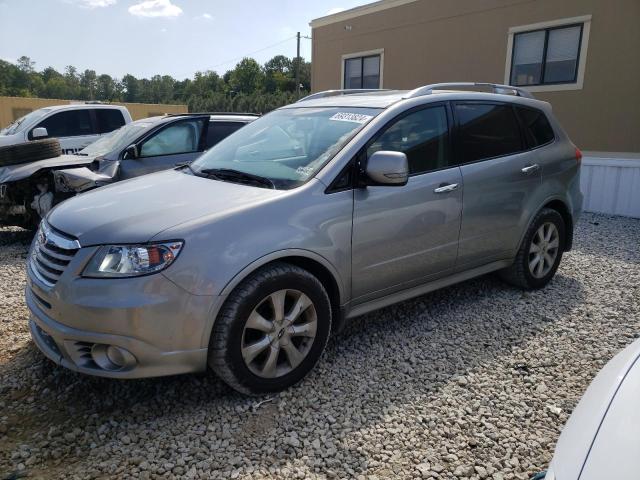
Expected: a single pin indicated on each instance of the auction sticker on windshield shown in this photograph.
(351, 117)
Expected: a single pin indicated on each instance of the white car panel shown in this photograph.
(583, 426)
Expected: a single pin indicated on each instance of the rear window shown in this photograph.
(71, 123)
(220, 130)
(109, 119)
(536, 127)
(486, 131)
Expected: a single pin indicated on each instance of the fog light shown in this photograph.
(116, 356)
(111, 357)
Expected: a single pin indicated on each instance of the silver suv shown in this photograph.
(318, 212)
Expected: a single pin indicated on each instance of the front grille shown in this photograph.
(52, 251)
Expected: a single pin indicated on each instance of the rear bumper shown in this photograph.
(78, 350)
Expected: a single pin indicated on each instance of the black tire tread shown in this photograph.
(515, 274)
(30, 152)
(222, 326)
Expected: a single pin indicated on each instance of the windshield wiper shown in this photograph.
(238, 176)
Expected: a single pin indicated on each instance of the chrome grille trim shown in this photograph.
(51, 254)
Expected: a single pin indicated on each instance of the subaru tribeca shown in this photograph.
(344, 202)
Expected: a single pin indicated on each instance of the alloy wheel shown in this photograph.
(279, 333)
(543, 250)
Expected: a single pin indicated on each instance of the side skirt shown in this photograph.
(402, 295)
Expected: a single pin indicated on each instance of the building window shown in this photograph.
(547, 56)
(362, 72)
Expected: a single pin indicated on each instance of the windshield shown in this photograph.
(22, 123)
(116, 140)
(288, 146)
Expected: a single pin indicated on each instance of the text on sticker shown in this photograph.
(351, 117)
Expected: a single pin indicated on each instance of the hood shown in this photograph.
(134, 211)
(14, 139)
(13, 173)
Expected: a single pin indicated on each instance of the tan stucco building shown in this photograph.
(583, 56)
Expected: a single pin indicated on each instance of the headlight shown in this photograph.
(116, 261)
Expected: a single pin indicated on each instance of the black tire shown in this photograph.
(225, 345)
(519, 274)
(29, 152)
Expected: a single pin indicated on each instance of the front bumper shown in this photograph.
(162, 328)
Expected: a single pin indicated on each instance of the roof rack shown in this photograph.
(495, 87)
(345, 91)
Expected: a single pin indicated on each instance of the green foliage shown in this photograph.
(248, 87)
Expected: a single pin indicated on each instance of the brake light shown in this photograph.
(578, 156)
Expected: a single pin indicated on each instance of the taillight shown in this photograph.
(578, 156)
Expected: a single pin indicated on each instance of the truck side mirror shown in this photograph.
(39, 132)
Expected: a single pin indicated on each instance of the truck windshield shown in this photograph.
(19, 125)
(286, 147)
(117, 140)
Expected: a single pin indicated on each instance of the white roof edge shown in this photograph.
(358, 12)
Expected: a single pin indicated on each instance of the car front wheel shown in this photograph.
(271, 331)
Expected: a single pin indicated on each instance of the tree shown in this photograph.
(26, 65)
(247, 87)
(247, 77)
(88, 83)
(131, 88)
(279, 74)
(105, 88)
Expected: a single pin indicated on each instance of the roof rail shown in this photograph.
(495, 87)
(239, 114)
(346, 91)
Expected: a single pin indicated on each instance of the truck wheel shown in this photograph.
(29, 152)
(540, 253)
(271, 331)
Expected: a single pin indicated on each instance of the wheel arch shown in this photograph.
(560, 206)
(315, 264)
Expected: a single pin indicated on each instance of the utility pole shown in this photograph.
(298, 67)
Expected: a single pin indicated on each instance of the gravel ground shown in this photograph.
(473, 381)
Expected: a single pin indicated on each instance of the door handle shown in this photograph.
(446, 188)
(530, 169)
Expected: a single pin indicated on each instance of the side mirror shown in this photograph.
(39, 132)
(131, 152)
(388, 168)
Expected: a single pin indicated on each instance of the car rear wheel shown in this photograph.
(540, 253)
(271, 331)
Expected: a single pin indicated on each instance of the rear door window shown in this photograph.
(536, 127)
(108, 119)
(72, 123)
(220, 130)
(486, 131)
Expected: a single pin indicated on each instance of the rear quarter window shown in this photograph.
(486, 131)
(220, 130)
(536, 127)
(108, 119)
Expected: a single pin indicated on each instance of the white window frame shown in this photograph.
(368, 53)
(585, 20)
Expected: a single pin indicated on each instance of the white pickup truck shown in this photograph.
(74, 125)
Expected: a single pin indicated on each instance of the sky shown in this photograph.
(148, 37)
